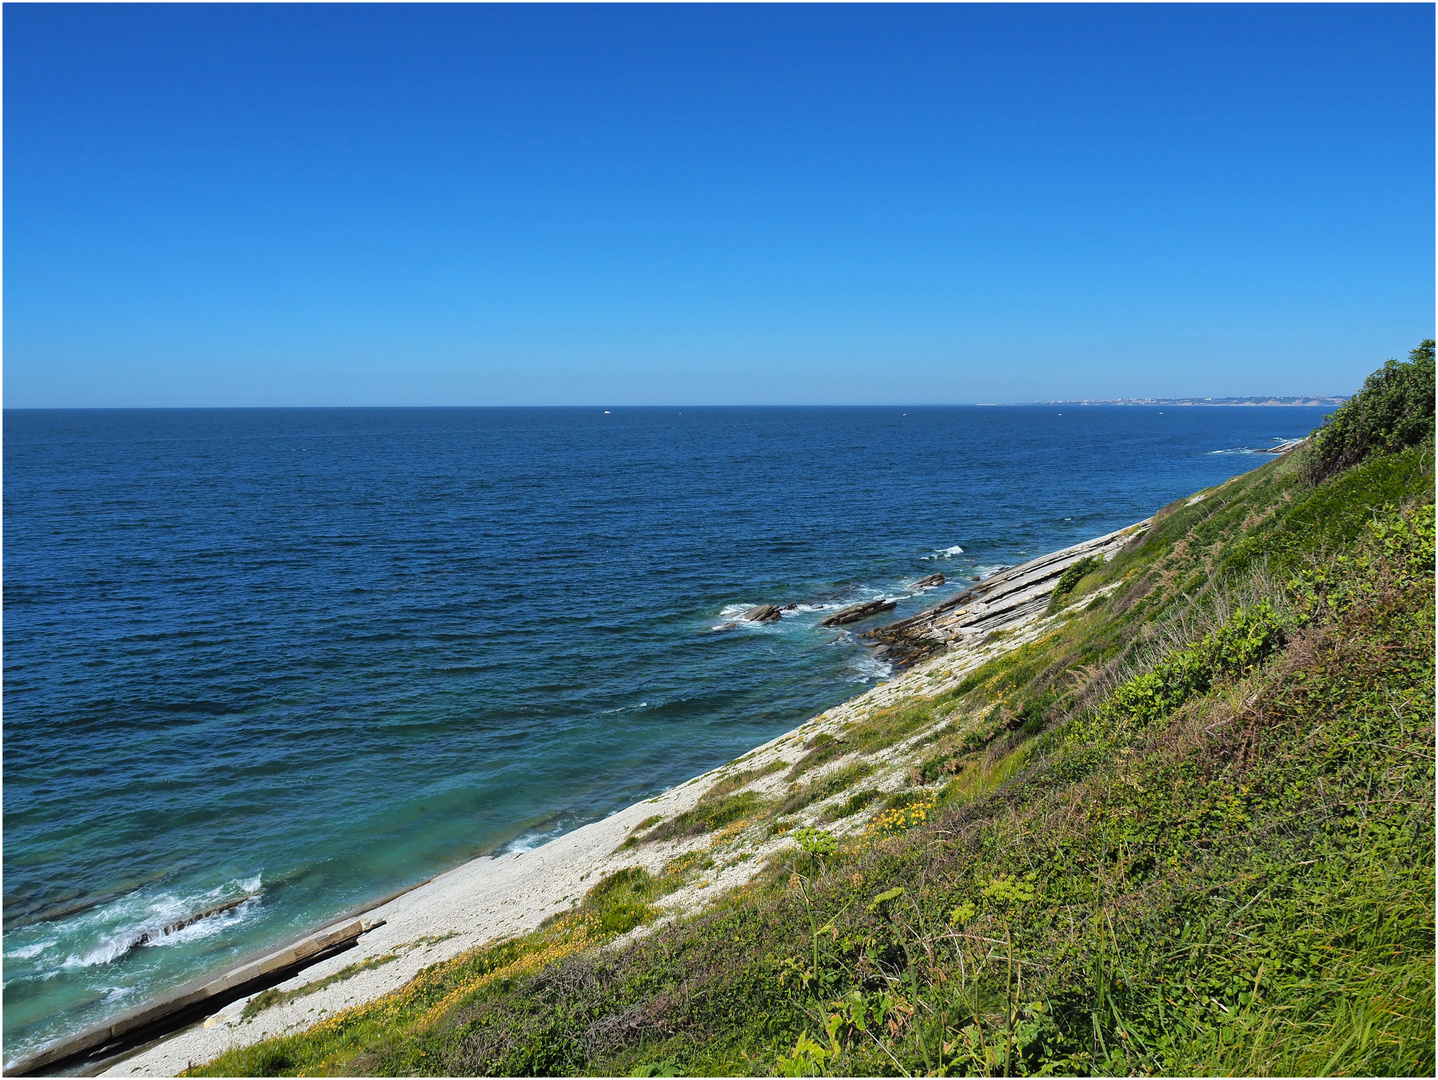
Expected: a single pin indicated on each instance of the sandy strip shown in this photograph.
(489, 899)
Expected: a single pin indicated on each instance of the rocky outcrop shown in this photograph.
(931, 580)
(858, 611)
(995, 603)
(762, 613)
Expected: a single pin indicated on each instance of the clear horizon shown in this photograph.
(1082, 404)
(331, 206)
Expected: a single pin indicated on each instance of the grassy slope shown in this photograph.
(1189, 831)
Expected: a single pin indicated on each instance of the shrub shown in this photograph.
(1392, 412)
(1069, 579)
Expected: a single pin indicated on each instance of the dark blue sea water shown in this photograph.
(318, 655)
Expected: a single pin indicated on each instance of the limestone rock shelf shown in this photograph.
(996, 603)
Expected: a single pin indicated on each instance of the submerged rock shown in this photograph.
(762, 613)
(858, 611)
(189, 920)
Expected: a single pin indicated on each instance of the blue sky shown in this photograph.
(476, 205)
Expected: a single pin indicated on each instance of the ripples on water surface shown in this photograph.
(283, 662)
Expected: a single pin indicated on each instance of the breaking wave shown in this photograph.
(160, 920)
(870, 669)
(944, 553)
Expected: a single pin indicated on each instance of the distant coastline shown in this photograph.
(1308, 400)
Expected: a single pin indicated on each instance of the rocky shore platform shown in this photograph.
(998, 602)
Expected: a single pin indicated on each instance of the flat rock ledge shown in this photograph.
(996, 603)
(858, 611)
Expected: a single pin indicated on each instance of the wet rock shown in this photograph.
(932, 579)
(762, 613)
(858, 611)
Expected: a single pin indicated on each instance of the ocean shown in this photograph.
(284, 662)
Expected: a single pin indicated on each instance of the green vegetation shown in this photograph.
(1248, 638)
(632, 840)
(852, 805)
(1393, 412)
(275, 996)
(880, 730)
(721, 805)
(620, 902)
(734, 781)
(1189, 831)
(1070, 578)
(706, 816)
(803, 794)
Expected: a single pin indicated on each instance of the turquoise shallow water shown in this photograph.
(311, 656)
